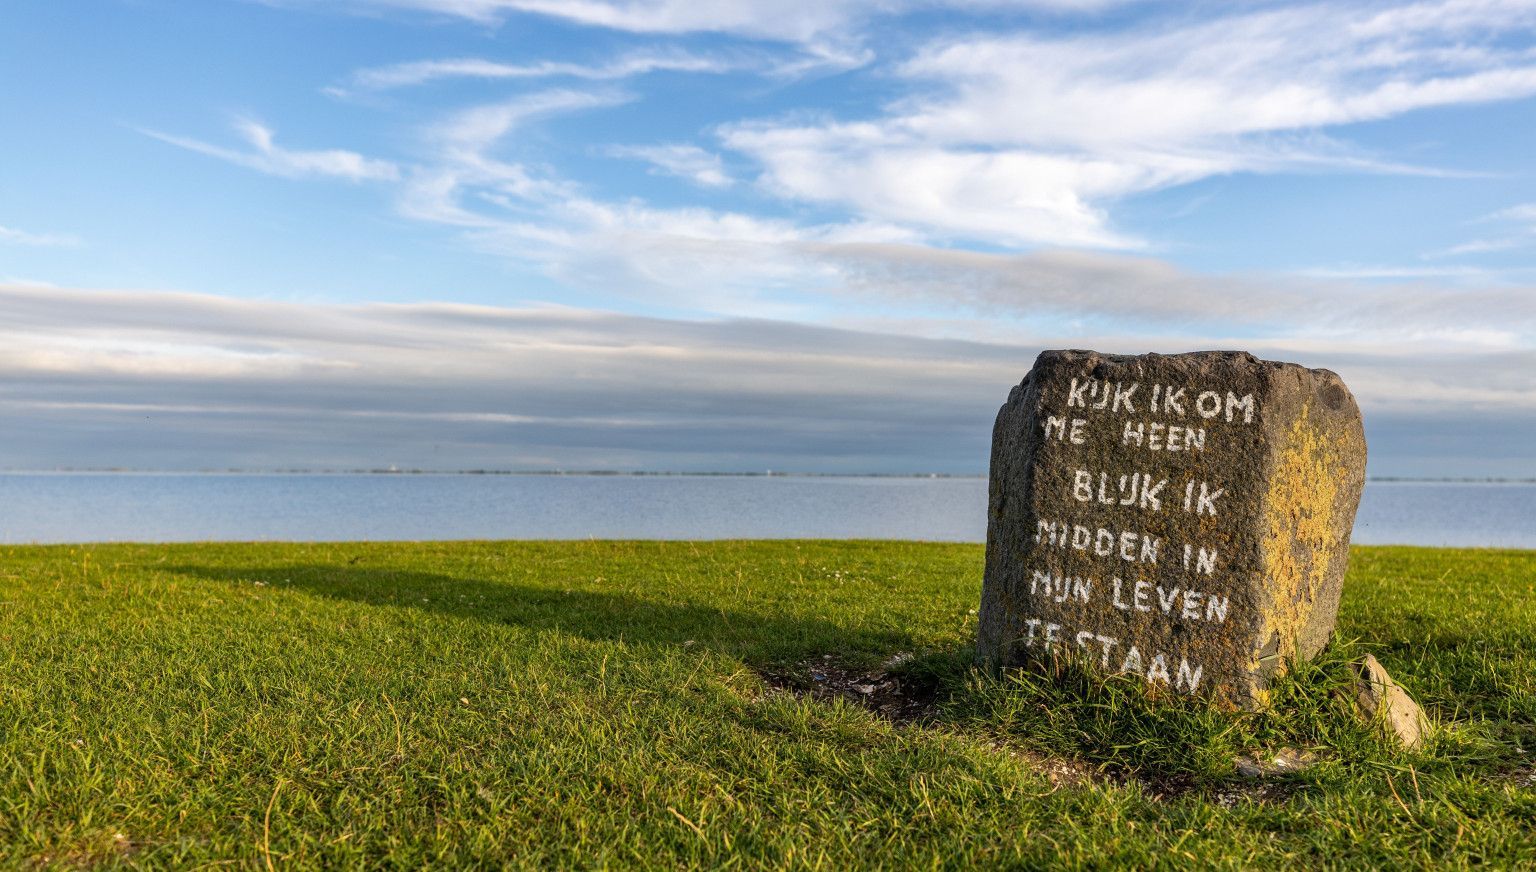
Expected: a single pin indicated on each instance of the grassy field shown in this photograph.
(602, 704)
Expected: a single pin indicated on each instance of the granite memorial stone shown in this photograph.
(1185, 518)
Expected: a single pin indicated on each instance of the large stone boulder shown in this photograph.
(1183, 517)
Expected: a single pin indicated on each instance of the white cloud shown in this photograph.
(469, 132)
(1524, 213)
(830, 33)
(705, 259)
(1012, 140)
(1296, 67)
(415, 73)
(788, 20)
(464, 166)
(1028, 138)
(1519, 223)
(12, 236)
(265, 155)
(781, 19)
(726, 262)
(1015, 197)
(1479, 246)
(684, 161)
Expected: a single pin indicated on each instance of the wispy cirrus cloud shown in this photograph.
(780, 19)
(1286, 68)
(1524, 213)
(716, 260)
(829, 34)
(466, 134)
(682, 160)
(265, 155)
(1516, 228)
(1014, 136)
(1028, 138)
(466, 183)
(789, 20)
(13, 236)
(416, 73)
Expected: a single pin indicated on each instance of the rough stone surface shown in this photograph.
(1182, 517)
(1378, 696)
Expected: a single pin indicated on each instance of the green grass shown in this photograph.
(599, 704)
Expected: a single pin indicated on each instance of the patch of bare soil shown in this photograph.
(1262, 793)
(1523, 777)
(893, 698)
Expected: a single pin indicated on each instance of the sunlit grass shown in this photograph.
(532, 704)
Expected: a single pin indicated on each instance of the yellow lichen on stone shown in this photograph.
(1298, 545)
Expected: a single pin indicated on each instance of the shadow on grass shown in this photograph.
(1110, 724)
(596, 615)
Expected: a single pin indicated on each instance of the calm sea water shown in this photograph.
(63, 507)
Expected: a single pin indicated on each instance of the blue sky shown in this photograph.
(801, 235)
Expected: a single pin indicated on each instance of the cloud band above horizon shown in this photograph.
(182, 381)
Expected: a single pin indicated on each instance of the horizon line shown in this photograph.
(616, 473)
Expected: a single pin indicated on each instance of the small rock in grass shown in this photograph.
(1285, 761)
(1377, 695)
